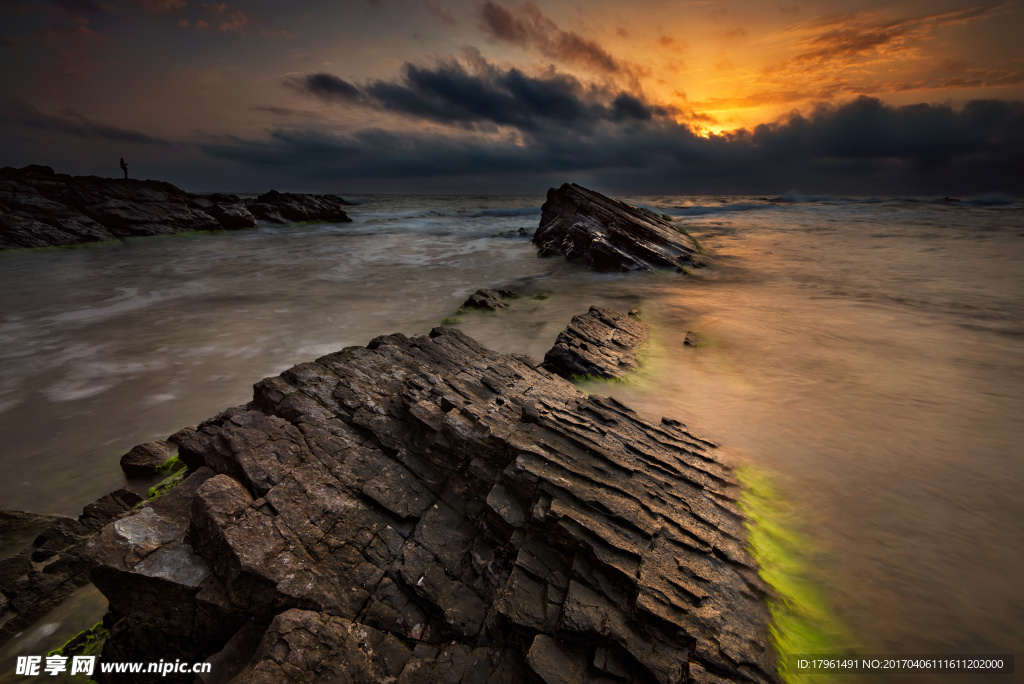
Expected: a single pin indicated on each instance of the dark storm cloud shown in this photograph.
(924, 135)
(528, 26)
(69, 122)
(324, 86)
(483, 95)
(862, 146)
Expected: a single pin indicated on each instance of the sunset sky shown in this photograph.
(500, 96)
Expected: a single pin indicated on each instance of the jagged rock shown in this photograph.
(583, 225)
(43, 574)
(145, 459)
(488, 299)
(40, 208)
(427, 510)
(600, 343)
(286, 207)
(691, 339)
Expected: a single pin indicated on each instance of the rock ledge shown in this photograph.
(424, 509)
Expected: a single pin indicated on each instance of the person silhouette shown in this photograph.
(124, 167)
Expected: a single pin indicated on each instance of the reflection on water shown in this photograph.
(868, 354)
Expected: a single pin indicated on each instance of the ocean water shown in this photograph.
(867, 354)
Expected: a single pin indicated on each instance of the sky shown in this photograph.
(511, 97)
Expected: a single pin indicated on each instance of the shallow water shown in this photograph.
(867, 353)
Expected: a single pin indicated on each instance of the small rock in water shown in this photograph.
(692, 339)
(488, 299)
(145, 459)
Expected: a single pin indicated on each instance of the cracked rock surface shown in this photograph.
(600, 343)
(583, 225)
(426, 510)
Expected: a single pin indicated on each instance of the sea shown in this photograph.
(864, 355)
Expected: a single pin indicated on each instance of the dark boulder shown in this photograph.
(145, 459)
(287, 207)
(424, 510)
(583, 225)
(600, 343)
(488, 299)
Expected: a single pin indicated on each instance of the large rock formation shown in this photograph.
(583, 225)
(40, 208)
(45, 572)
(427, 510)
(601, 343)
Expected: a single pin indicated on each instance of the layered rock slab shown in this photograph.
(601, 343)
(583, 225)
(425, 510)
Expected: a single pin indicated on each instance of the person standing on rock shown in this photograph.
(124, 167)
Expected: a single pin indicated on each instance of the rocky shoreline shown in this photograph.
(40, 208)
(425, 509)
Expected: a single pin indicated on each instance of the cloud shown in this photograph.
(288, 112)
(70, 122)
(862, 146)
(325, 86)
(235, 21)
(528, 26)
(852, 36)
(480, 94)
(738, 32)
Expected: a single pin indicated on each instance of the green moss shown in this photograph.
(584, 377)
(86, 643)
(541, 296)
(167, 483)
(451, 320)
(802, 622)
(171, 465)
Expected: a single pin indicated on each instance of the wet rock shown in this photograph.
(40, 208)
(426, 510)
(600, 343)
(691, 339)
(20, 524)
(488, 299)
(44, 573)
(583, 225)
(286, 207)
(145, 459)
